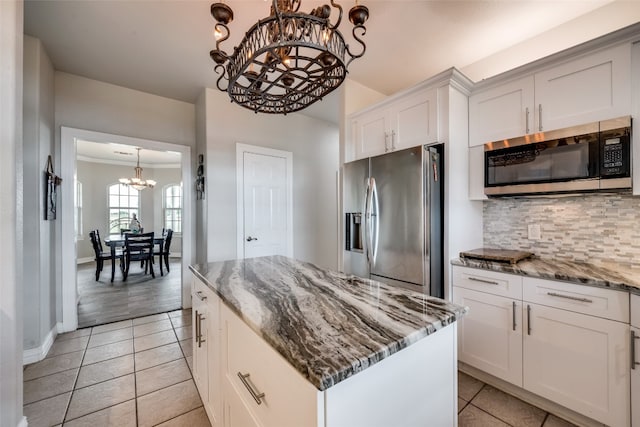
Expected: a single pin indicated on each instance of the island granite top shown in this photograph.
(327, 325)
(602, 275)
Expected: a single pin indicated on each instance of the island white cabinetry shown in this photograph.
(585, 89)
(206, 345)
(246, 380)
(573, 340)
(404, 122)
(635, 360)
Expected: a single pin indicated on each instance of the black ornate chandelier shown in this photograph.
(288, 60)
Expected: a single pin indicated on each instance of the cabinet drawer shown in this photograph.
(289, 399)
(506, 285)
(589, 300)
(635, 310)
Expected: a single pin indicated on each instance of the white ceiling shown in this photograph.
(119, 154)
(162, 46)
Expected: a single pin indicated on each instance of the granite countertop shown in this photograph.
(327, 325)
(603, 275)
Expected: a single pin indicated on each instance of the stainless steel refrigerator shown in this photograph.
(393, 207)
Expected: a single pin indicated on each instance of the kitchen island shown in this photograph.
(288, 343)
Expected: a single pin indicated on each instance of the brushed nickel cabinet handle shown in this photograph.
(553, 294)
(200, 319)
(490, 282)
(257, 396)
(526, 120)
(528, 319)
(200, 296)
(197, 326)
(540, 117)
(393, 140)
(633, 350)
(513, 319)
(386, 137)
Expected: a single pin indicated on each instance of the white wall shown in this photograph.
(11, 39)
(97, 177)
(39, 278)
(314, 144)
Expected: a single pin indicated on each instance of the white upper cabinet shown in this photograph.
(587, 89)
(501, 112)
(406, 122)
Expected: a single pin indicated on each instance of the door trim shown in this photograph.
(66, 280)
(288, 156)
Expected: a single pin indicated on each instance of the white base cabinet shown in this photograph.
(578, 361)
(248, 384)
(635, 360)
(565, 342)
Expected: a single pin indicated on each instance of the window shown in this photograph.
(173, 207)
(78, 205)
(123, 203)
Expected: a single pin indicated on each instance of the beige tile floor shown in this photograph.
(129, 373)
(480, 405)
(138, 373)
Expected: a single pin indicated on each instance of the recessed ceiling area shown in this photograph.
(120, 154)
(162, 47)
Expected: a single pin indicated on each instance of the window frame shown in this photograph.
(178, 209)
(130, 210)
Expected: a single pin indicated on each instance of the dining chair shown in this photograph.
(101, 256)
(163, 251)
(138, 247)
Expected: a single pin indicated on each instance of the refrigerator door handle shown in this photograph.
(375, 223)
(367, 221)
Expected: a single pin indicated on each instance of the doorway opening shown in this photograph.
(95, 199)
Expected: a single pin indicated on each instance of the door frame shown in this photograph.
(66, 280)
(288, 156)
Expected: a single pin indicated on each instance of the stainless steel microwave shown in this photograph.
(591, 157)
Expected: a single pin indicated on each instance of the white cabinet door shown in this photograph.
(635, 379)
(372, 137)
(578, 361)
(476, 173)
(588, 89)
(414, 120)
(200, 342)
(214, 368)
(502, 112)
(490, 335)
(236, 413)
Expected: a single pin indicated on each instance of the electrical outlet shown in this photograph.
(534, 232)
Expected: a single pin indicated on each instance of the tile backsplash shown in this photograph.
(589, 228)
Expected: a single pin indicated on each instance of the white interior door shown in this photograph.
(265, 213)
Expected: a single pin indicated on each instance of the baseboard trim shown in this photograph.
(23, 422)
(33, 355)
(531, 398)
(85, 260)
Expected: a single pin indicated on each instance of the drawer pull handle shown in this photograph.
(513, 314)
(256, 395)
(199, 329)
(200, 296)
(633, 350)
(197, 326)
(490, 282)
(553, 294)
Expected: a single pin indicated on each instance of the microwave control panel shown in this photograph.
(615, 156)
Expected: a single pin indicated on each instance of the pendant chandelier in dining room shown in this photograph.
(137, 182)
(288, 60)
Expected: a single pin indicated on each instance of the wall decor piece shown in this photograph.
(200, 178)
(51, 181)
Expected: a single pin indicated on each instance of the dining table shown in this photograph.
(115, 241)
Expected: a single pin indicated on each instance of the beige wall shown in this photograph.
(314, 144)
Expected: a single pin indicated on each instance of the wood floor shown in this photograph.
(141, 295)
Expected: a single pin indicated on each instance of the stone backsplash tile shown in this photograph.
(587, 228)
